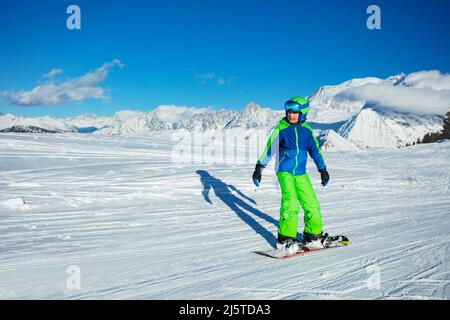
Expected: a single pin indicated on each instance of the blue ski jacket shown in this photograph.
(292, 143)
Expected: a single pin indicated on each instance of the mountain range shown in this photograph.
(342, 115)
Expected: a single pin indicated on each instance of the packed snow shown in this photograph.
(131, 223)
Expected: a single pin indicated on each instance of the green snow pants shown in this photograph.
(295, 189)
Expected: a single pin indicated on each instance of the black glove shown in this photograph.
(324, 176)
(257, 174)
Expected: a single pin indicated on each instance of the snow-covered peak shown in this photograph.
(46, 122)
(129, 115)
(251, 109)
(419, 93)
(89, 120)
(397, 79)
(340, 102)
(433, 80)
(173, 114)
(211, 120)
(253, 116)
(375, 128)
(127, 122)
(328, 106)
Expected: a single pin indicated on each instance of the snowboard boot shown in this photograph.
(288, 244)
(314, 241)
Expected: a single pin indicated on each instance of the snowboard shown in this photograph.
(329, 243)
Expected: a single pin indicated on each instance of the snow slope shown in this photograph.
(327, 106)
(140, 226)
(330, 140)
(378, 128)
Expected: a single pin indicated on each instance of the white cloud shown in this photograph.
(75, 89)
(429, 80)
(221, 81)
(52, 73)
(204, 78)
(425, 92)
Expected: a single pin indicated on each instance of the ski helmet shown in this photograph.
(298, 104)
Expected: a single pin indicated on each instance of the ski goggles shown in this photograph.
(289, 111)
(295, 106)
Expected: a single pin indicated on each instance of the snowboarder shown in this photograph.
(292, 138)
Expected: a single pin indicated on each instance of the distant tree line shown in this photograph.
(441, 134)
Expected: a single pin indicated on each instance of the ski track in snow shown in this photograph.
(140, 226)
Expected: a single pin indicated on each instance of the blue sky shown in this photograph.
(216, 53)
